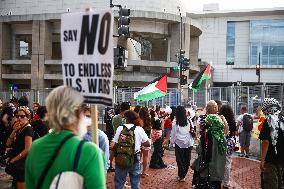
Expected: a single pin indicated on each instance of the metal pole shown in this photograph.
(259, 67)
(180, 66)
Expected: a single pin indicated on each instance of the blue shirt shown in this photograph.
(103, 143)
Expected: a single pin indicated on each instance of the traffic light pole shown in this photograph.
(180, 64)
(259, 67)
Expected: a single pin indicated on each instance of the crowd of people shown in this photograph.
(52, 145)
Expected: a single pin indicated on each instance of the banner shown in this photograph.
(87, 54)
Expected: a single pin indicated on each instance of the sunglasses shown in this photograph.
(20, 116)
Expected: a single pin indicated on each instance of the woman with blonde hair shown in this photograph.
(62, 149)
(211, 150)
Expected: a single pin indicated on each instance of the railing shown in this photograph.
(236, 96)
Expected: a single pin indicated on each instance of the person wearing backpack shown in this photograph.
(128, 140)
(244, 128)
(272, 137)
(117, 121)
(60, 159)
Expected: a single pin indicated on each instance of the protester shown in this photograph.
(147, 126)
(157, 140)
(20, 141)
(103, 139)
(182, 138)
(23, 101)
(137, 109)
(5, 126)
(14, 103)
(40, 125)
(201, 150)
(140, 139)
(35, 108)
(117, 121)
(217, 151)
(227, 112)
(244, 127)
(108, 115)
(211, 150)
(1, 105)
(272, 137)
(168, 127)
(65, 115)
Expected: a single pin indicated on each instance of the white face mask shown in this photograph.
(82, 126)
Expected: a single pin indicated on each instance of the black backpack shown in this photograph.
(247, 122)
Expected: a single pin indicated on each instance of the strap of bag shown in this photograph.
(77, 156)
(50, 162)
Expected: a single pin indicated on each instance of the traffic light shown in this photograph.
(183, 79)
(181, 56)
(123, 21)
(119, 57)
(257, 69)
(183, 61)
(185, 64)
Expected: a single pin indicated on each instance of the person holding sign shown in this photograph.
(65, 119)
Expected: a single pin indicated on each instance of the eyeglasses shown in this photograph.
(20, 116)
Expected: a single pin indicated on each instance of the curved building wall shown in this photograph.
(23, 7)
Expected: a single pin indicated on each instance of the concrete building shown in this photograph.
(235, 41)
(30, 54)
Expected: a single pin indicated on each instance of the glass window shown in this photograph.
(267, 37)
(24, 49)
(23, 45)
(230, 50)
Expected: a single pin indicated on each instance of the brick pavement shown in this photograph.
(244, 175)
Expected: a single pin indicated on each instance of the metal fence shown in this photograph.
(236, 96)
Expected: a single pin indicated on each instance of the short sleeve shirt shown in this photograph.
(117, 121)
(265, 135)
(140, 136)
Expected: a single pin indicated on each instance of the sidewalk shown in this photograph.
(244, 175)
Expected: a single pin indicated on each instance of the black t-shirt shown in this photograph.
(40, 127)
(19, 144)
(271, 156)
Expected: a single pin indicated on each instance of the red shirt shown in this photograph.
(36, 117)
(168, 123)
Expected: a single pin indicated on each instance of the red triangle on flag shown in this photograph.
(162, 84)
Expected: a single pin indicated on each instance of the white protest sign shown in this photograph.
(87, 54)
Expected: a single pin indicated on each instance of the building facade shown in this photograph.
(30, 52)
(234, 42)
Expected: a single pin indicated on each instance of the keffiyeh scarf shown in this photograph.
(216, 126)
(271, 109)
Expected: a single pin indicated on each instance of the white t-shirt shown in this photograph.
(181, 135)
(140, 136)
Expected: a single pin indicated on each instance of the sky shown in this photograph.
(197, 5)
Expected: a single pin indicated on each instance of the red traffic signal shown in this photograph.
(257, 69)
(183, 79)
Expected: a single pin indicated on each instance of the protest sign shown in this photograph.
(87, 54)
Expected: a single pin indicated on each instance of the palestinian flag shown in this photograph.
(203, 75)
(157, 88)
